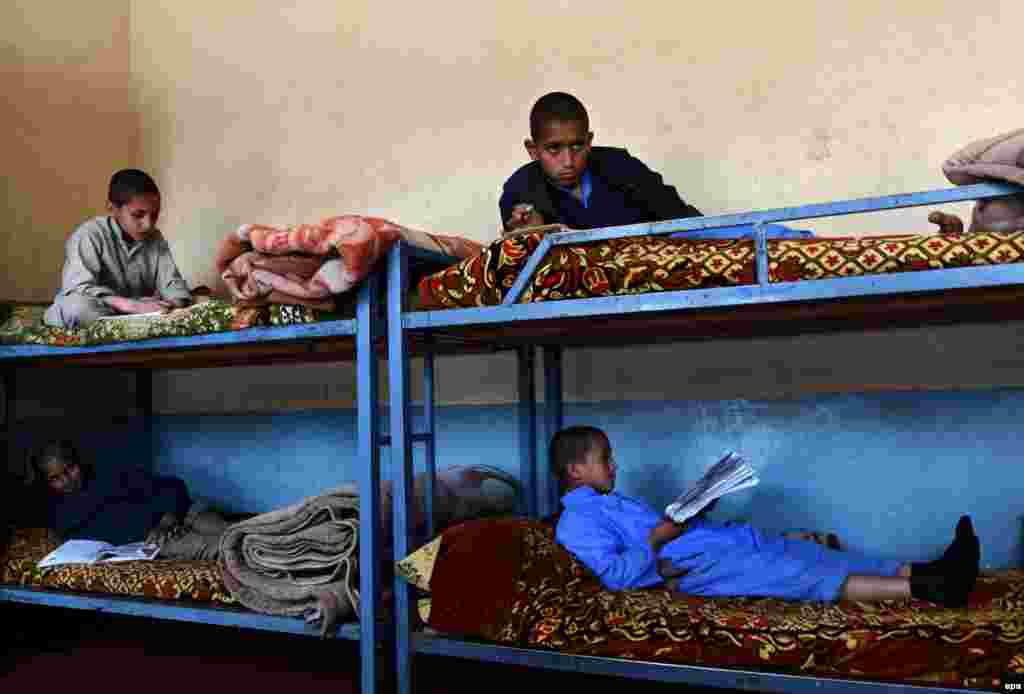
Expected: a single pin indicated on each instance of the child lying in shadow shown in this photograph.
(122, 504)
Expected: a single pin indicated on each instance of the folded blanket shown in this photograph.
(298, 560)
(302, 559)
(461, 493)
(999, 158)
(309, 263)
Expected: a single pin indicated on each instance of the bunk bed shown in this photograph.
(194, 591)
(529, 291)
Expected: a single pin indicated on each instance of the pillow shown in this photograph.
(484, 568)
(474, 574)
(418, 567)
(423, 607)
(461, 493)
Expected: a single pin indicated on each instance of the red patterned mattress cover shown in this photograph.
(508, 582)
(644, 264)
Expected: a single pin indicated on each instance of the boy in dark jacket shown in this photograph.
(571, 182)
(122, 504)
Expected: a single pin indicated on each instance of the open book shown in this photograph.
(728, 475)
(151, 314)
(93, 552)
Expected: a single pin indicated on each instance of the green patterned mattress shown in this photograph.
(23, 324)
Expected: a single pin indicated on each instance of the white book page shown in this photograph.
(730, 474)
(151, 314)
(74, 552)
(134, 551)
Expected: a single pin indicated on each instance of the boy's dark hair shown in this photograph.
(570, 445)
(556, 106)
(61, 450)
(127, 183)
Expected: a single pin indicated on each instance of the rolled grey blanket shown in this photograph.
(298, 560)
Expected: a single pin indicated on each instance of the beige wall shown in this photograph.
(417, 111)
(258, 112)
(67, 123)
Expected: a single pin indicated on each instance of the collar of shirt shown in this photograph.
(586, 186)
(129, 245)
(581, 495)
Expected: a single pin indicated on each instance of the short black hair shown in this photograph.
(127, 183)
(571, 445)
(557, 106)
(59, 450)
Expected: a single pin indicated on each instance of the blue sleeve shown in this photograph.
(619, 567)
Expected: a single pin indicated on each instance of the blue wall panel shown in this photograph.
(889, 472)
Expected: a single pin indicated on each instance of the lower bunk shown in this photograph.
(504, 591)
(190, 591)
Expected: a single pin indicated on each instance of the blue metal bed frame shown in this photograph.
(540, 493)
(364, 330)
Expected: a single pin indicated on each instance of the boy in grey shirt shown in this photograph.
(119, 264)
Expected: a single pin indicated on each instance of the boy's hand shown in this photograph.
(163, 531)
(664, 532)
(150, 305)
(123, 304)
(523, 215)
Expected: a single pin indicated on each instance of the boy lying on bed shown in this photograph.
(124, 504)
(120, 263)
(629, 545)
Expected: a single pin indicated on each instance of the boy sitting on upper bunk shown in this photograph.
(571, 182)
(629, 545)
(119, 263)
(122, 504)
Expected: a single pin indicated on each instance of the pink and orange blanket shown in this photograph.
(309, 263)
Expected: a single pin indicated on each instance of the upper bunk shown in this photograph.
(209, 334)
(663, 282)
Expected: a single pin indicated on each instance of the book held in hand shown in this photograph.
(94, 552)
(728, 475)
(153, 314)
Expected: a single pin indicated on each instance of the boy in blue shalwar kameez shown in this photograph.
(629, 545)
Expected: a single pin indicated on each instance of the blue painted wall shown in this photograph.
(889, 472)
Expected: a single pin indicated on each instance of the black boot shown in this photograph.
(950, 579)
(962, 557)
(947, 591)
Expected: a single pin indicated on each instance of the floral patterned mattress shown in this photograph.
(198, 581)
(644, 264)
(23, 324)
(509, 582)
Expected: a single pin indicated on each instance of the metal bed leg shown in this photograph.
(761, 246)
(553, 418)
(144, 403)
(429, 438)
(369, 481)
(401, 457)
(8, 423)
(527, 431)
